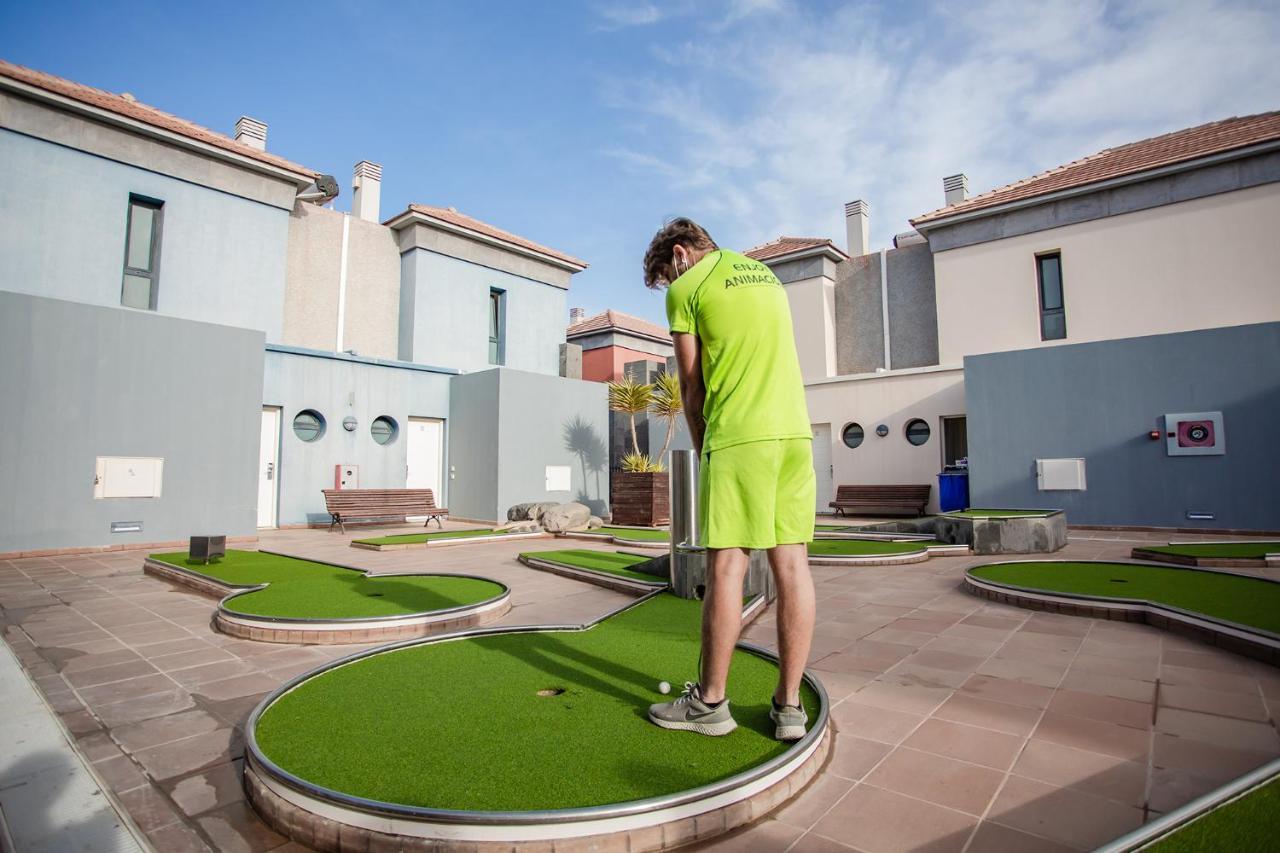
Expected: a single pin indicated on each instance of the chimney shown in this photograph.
(956, 188)
(366, 191)
(577, 315)
(857, 224)
(252, 132)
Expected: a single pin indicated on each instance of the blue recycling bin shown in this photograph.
(953, 490)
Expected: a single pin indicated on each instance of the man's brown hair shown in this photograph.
(658, 267)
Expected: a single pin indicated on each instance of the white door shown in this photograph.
(822, 465)
(269, 467)
(425, 455)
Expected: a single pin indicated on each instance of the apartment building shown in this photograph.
(1065, 324)
(191, 341)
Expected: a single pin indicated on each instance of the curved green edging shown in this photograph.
(1001, 513)
(301, 589)
(460, 724)
(1218, 550)
(612, 563)
(1246, 601)
(416, 538)
(861, 547)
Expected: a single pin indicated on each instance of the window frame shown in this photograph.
(906, 431)
(157, 230)
(1061, 310)
(497, 316)
(846, 428)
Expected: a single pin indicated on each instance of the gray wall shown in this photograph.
(913, 311)
(80, 381)
(1099, 400)
(337, 386)
(222, 257)
(444, 315)
(508, 425)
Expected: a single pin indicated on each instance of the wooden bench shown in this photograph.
(909, 499)
(347, 504)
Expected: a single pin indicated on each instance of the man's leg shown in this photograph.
(790, 564)
(721, 618)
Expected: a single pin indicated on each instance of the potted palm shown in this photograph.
(639, 492)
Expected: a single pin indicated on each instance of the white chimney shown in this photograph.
(857, 224)
(577, 315)
(366, 191)
(252, 132)
(956, 188)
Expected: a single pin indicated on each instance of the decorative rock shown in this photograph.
(529, 511)
(594, 523)
(565, 517)
(520, 527)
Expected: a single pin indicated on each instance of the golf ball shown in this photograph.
(664, 687)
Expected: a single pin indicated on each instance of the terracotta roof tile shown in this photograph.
(453, 217)
(134, 109)
(1176, 147)
(617, 320)
(788, 245)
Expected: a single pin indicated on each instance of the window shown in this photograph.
(384, 429)
(141, 254)
(308, 425)
(1053, 315)
(496, 324)
(852, 435)
(917, 432)
(955, 441)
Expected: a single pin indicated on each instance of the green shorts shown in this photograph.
(757, 495)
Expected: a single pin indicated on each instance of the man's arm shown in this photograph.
(692, 392)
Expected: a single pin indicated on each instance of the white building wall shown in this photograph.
(812, 303)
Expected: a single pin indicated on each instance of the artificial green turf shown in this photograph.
(1000, 513)
(300, 589)
(1250, 824)
(860, 547)
(1244, 600)
(598, 561)
(1222, 550)
(635, 534)
(460, 724)
(831, 528)
(413, 538)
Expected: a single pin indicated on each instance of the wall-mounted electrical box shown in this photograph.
(346, 476)
(1054, 475)
(1194, 434)
(128, 477)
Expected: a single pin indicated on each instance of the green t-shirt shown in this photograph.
(738, 310)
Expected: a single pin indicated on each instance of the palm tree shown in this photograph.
(668, 406)
(630, 398)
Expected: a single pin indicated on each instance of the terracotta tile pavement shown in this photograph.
(961, 724)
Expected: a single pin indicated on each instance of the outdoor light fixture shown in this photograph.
(1154, 435)
(882, 430)
(349, 423)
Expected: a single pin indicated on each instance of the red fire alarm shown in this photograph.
(1154, 435)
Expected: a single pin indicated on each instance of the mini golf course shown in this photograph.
(842, 552)
(1222, 554)
(636, 537)
(523, 734)
(1250, 823)
(1001, 513)
(1004, 531)
(1236, 611)
(279, 598)
(613, 570)
(441, 538)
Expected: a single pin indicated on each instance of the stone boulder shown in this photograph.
(529, 511)
(525, 526)
(566, 517)
(594, 523)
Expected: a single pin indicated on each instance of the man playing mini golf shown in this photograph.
(744, 401)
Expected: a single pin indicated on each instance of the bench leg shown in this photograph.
(333, 519)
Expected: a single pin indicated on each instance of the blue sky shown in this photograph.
(584, 125)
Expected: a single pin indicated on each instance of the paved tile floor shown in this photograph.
(961, 724)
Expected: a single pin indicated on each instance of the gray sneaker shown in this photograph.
(690, 713)
(789, 721)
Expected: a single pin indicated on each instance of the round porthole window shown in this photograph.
(308, 425)
(853, 435)
(917, 432)
(383, 429)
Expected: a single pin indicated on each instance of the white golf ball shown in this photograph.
(664, 687)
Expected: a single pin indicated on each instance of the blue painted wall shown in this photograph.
(64, 212)
(1099, 401)
(338, 386)
(444, 319)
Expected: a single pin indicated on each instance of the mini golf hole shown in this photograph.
(1118, 580)
(551, 691)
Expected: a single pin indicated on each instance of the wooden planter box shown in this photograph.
(640, 500)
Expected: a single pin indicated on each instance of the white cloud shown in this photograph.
(792, 115)
(621, 15)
